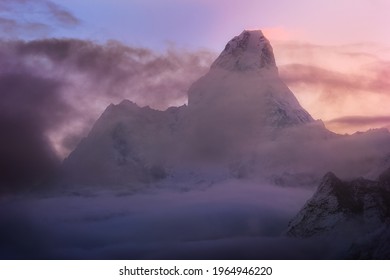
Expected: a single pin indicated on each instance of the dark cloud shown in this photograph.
(308, 74)
(142, 75)
(38, 17)
(61, 14)
(29, 107)
(53, 90)
(377, 81)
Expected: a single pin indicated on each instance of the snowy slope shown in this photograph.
(248, 51)
(127, 144)
(243, 85)
(357, 211)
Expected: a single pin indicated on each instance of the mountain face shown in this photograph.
(241, 120)
(127, 144)
(243, 85)
(248, 51)
(356, 210)
(241, 100)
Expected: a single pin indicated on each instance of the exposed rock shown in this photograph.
(357, 211)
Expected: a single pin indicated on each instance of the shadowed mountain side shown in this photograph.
(357, 211)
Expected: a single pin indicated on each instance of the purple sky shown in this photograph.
(202, 23)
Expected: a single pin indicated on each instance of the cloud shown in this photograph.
(213, 223)
(377, 82)
(325, 55)
(61, 15)
(53, 90)
(13, 27)
(312, 75)
(30, 106)
(148, 78)
(364, 120)
(359, 123)
(38, 18)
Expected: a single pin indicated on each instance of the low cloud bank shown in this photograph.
(232, 219)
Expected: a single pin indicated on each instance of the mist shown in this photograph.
(227, 220)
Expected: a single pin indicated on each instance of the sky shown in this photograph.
(202, 23)
(63, 62)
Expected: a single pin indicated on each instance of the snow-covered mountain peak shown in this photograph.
(248, 51)
(243, 89)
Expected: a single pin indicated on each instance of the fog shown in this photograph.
(232, 219)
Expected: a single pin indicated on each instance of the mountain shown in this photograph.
(241, 121)
(127, 144)
(356, 211)
(243, 85)
(241, 99)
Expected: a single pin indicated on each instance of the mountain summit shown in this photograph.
(248, 51)
(243, 87)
